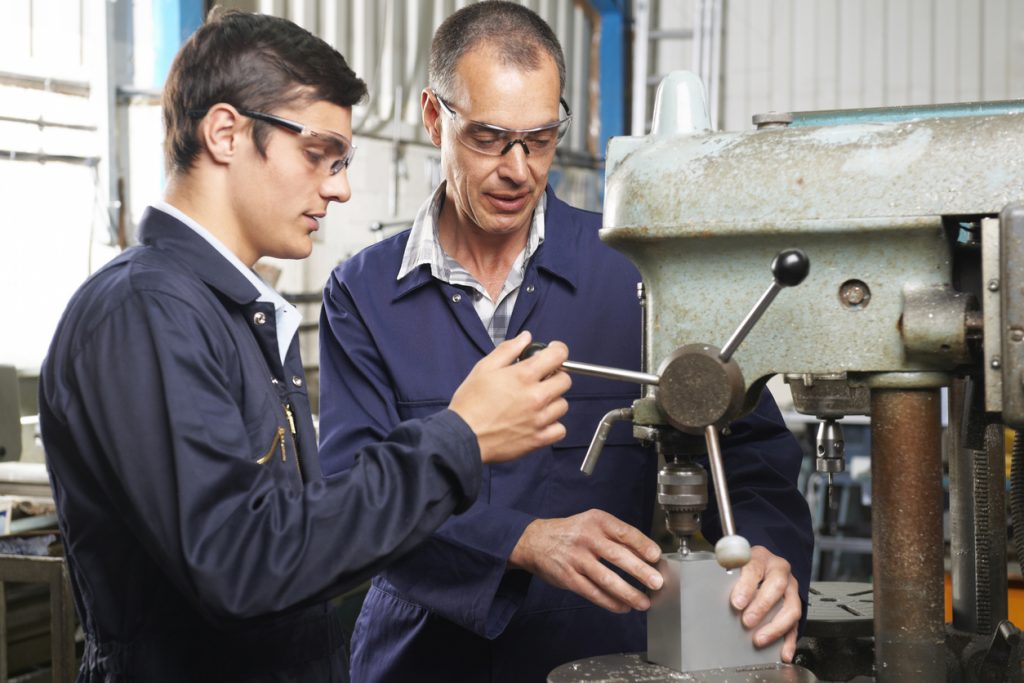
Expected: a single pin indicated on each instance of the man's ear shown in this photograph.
(431, 117)
(220, 132)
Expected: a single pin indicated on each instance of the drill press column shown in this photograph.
(906, 534)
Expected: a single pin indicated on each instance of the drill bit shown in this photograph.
(830, 459)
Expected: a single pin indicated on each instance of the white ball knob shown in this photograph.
(732, 552)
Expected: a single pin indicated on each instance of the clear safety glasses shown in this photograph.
(330, 153)
(337, 150)
(494, 140)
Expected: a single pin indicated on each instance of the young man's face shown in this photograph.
(498, 193)
(281, 198)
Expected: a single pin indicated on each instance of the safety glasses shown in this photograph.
(330, 153)
(494, 140)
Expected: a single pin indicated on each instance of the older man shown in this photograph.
(526, 579)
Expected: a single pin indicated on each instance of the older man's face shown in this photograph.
(497, 194)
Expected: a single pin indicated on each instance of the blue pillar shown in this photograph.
(173, 22)
(613, 67)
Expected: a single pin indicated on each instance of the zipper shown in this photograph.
(295, 447)
(278, 440)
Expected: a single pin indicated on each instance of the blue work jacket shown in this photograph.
(201, 537)
(452, 610)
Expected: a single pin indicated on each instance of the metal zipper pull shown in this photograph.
(291, 418)
(295, 446)
(278, 439)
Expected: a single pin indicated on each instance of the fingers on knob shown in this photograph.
(732, 552)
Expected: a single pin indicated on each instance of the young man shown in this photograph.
(201, 537)
(521, 583)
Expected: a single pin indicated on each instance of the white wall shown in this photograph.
(800, 55)
(52, 230)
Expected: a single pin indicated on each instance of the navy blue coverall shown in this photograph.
(201, 537)
(452, 610)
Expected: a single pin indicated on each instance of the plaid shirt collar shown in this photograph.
(424, 248)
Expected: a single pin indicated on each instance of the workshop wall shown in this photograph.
(779, 54)
(800, 55)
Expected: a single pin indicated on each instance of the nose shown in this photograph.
(515, 163)
(335, 188)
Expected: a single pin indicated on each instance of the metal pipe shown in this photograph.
(906, 535)
(40, 157)
(748, 323)
(836, 117)
(58, 85)
(641, 50)
(605, 372)
(718, 481)
(45, 123)
(601, 435)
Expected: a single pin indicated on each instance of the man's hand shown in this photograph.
(513, 408)
(763, 581)
(567, 553)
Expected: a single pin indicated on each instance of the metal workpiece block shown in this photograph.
(691, 625)
(1011, 289)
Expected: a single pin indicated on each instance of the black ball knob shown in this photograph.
(533, 348)
(790, 267)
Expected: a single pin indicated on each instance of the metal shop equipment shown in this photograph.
(899, 239)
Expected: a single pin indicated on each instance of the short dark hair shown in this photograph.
(516, 32)
(253, 62)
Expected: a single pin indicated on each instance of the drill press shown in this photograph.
(699, 391)
(911, 220)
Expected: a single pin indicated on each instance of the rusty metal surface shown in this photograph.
(906, 533)
(1011, 241)
(702, 216)
(827, 396)
(699, 289)
(991, 315)
(715, 182)
(697, 389)
(633, 668)
(935, 324)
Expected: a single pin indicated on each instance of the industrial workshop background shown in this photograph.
(80, 133)
(80, 130)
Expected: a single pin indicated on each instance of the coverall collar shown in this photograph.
(168, 234)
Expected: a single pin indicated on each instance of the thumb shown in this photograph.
(507, 352)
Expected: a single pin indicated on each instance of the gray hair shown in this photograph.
(517, 33)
